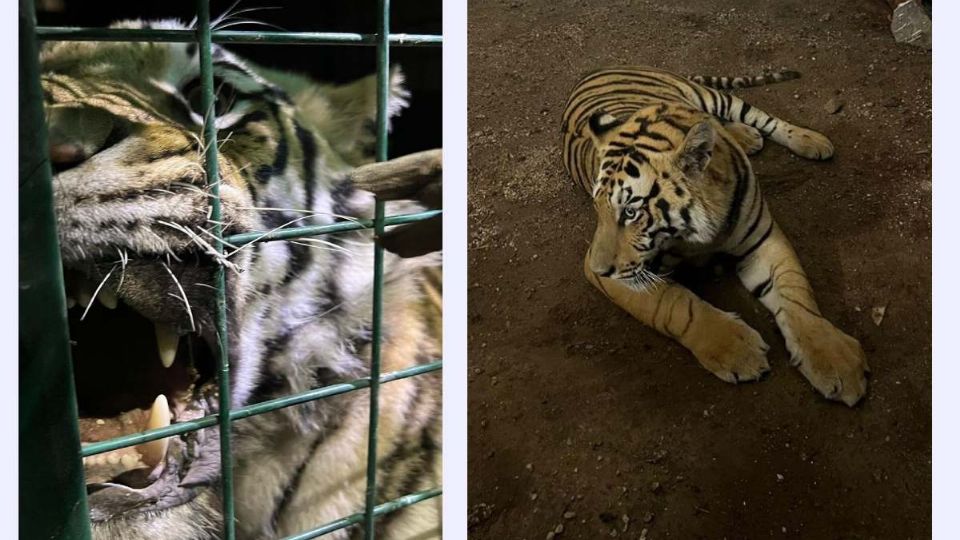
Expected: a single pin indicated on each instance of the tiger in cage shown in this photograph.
(132, 203)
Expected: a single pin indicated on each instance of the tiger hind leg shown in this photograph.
(831, 360)
(748, 137)
(721, 341)
(801, 141)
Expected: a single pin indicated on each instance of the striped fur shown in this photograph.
(299, 311)
(665, 161)
(730, 83)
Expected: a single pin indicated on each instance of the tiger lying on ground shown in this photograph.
(132, 208)
(665, 160)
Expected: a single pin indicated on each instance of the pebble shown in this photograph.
(833, 106)
(569, 515)
(656, 487)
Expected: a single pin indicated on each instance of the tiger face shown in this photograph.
(648, 193)
(132, 204)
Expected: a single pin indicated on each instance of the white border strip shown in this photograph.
(454, 269)
(946, 258)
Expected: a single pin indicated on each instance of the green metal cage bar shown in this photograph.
(385, 508)
(52, 364)
(212, 168)
(239, 413)
(48, 430)
(234, 36)
(291, 233)
(383, 94)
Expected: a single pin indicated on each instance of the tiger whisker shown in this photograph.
(186, 302)
(322, 241)
(200, 242)
(96, 292)
(253, 22)
(311, 212)
(321, 248)
(265, 233)
(124, 259)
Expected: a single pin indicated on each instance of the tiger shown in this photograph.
(132, 203)
(664, 158)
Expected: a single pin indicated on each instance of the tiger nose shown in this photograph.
(66, 154)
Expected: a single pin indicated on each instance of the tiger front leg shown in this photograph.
(831, 360)
(721, 341)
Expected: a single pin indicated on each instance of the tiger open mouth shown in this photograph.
(140, 364)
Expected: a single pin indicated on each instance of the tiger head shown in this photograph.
(652, 190)
(132, 203)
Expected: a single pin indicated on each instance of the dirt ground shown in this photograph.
(565, 434)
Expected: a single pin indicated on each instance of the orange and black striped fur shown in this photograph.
(125, 123)
(665, 160)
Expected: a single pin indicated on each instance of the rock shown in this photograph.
(911, 24)
(551, 535)
(877, 314)
(655, 487)
(648, 517)
(569, 515)
(892, 102)
(833, 106)
(607, 517)
(478, 514)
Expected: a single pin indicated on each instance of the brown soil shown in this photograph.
(582, 417)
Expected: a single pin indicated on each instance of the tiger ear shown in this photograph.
(697, 149)
(600, 123)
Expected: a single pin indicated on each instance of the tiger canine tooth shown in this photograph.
(108, 298)
(84, 296)
(167, 341)
(152, 452)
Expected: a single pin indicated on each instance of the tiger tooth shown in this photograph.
(167, 341)
(129, 461)
(108, 298)
(84, 296)
(153, 452)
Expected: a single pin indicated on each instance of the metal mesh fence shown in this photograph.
(52, 492)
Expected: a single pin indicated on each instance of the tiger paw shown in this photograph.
(748, 137)
(734, 352)
(807, 143)
(832, 361)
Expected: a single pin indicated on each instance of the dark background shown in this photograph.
(417, 128)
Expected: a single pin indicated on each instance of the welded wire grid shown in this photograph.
(74, 527)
